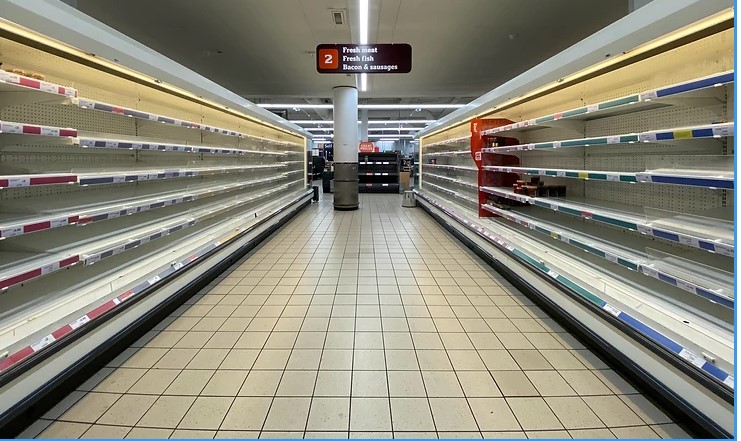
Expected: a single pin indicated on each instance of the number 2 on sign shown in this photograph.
(329, 59)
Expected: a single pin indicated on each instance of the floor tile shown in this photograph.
(333, 384)
(288, 414)
(193, 434)
(641, 432)
(478, 384)
(612, 411)
(533, 414)
(62, 429)
(574, 413)
(442, 384)
(370, 414)
(246, 414)
(166, 412)
(369, 384)
(206, 413)
(493, 414)
(411, 414)
(297, 384)
(591, 434)
(261, 383)
(98, 431)
(90, 407)
(189, 382)
(148, 433)
(406, 384)
(127, 410)
(550, 383)
(225, 383)
(329, 414)
(452, 414)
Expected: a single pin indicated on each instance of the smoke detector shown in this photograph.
(338, 16)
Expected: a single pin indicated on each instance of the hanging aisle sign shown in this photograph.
(364, 58)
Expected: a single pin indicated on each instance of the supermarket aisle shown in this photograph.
(367, 324)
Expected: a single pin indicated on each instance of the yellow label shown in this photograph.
(583, 175)
(554, 235)
(683, 134)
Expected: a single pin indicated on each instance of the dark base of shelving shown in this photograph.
(694, 424)
(34, 407)
(391, 188)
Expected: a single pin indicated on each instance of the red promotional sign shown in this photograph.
(367, 147)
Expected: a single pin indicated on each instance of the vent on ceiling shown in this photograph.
(338, 17)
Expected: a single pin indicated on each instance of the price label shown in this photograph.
(650, 95)
(12, 231)
(561, 174)
(644, 229)
(542, 172)
(613, 178)
(9, 77)
(177, 265)
(144, 240)
(119, 249)
(647, 137)
(47, 87)
(612, 310)
(613, 140)
(50, 268)
(92, 259)
(11, 127)
(86, 104)
(41, 344)
(153, 280)
(592, 108)
(553, 274)
(723, 130)
(56, 223)
(19, 182)
(119, 179)
(49, 131)
(692, 358)
(137, 146)
(650, 272)
(554, 207)
(681, 284)
(729, 381)
(611, 257)
(556, 144)
(725, 250)
(114, 214)
(152, 117)
(689, 241)
(79, 322)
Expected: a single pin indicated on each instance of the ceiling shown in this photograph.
(264, 49)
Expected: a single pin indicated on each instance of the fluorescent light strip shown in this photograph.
(364, 12)
(363, 106)
(395, 136)
(363, 82)
(380, 121)
(372, 129)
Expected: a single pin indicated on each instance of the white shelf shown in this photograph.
(89, 213)
(10, 82)
(471, 185)
(19, 269)
(457, 140)
(633, 305)
(710, 178)
(630, 103)
(144, 273)
(710, 234)
(452, 167)
(676, 134)
(449, 153)
(702, 280)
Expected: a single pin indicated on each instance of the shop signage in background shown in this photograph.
(364, 58)
(367, 147)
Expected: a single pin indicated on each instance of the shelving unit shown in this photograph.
(378, 172)
(111, 188)
(644, 232)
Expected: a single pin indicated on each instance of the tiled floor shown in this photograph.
(366, 324)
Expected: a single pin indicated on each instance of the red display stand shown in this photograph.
(490, 178)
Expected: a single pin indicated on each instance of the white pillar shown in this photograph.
(345, 147)
(364, 125)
